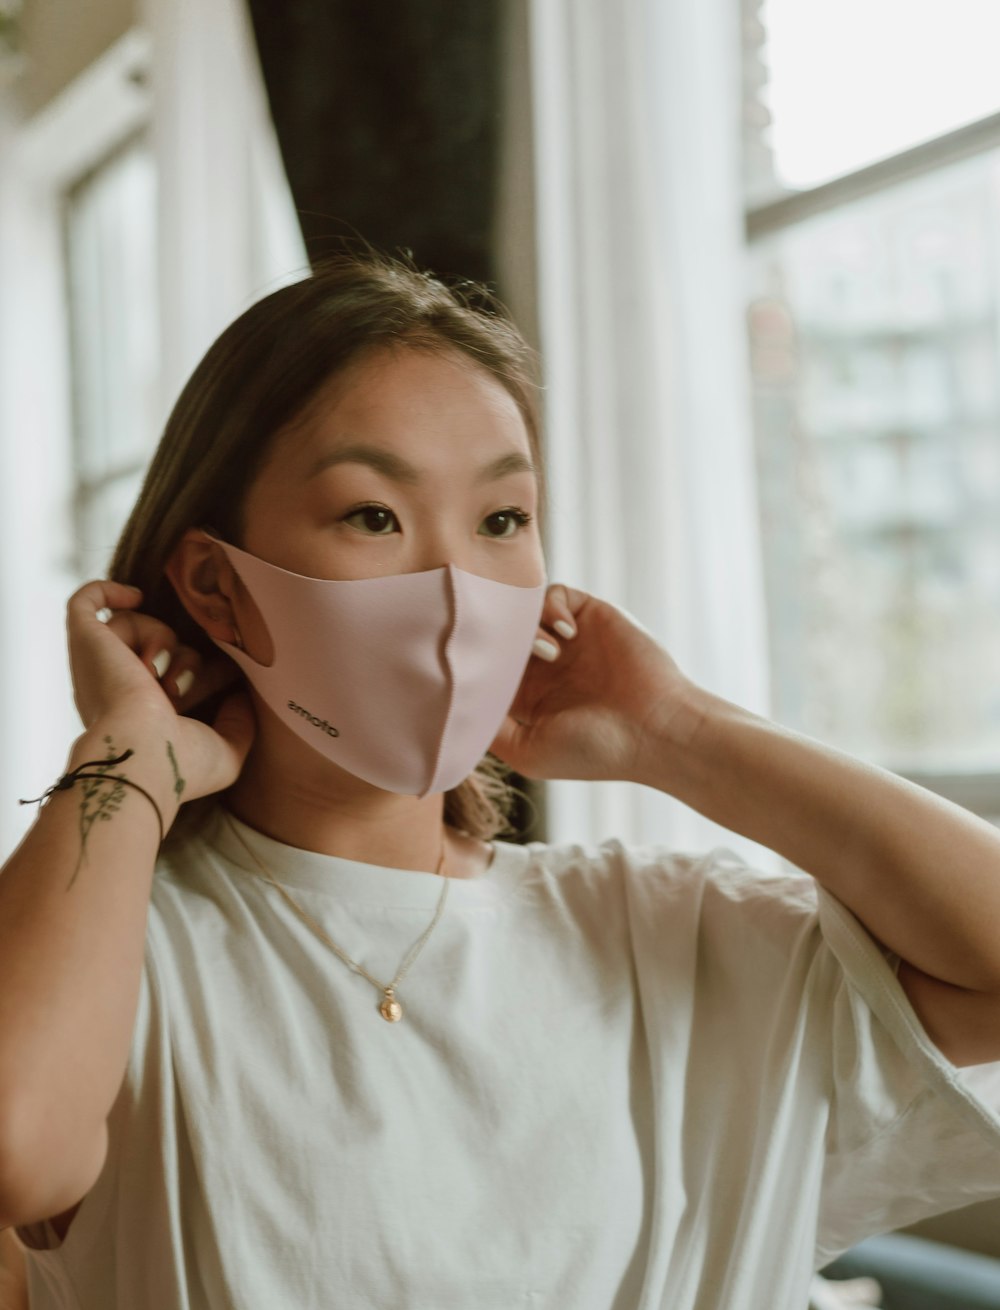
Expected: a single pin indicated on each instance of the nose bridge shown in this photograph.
(442, 543)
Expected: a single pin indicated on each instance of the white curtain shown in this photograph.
(228, 231)
(648, 405)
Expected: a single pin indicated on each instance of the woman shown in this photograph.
(338, 1044)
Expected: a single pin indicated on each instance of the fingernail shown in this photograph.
(184, 681)
(545, 649)
(161, 663)
(564, 629)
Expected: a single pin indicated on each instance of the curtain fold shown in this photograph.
(650, 450)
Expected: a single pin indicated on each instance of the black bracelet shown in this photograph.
(68, 779)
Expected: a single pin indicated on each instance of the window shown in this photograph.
(874, 319)
(110, 243)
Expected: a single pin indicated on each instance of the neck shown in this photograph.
(295, 795)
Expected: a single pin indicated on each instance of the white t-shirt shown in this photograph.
(626, 1079)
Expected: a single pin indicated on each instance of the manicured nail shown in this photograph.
(545, 649)
(184, 681)
(161, 663)
(564, 629)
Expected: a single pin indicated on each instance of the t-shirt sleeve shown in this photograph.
(883, 1129)
(910, 1134)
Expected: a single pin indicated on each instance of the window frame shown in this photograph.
(42, 156)
(89, 487)
(976, 790)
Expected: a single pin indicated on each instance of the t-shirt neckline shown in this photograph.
(356, 880)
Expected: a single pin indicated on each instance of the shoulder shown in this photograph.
(706, 891)
(719, 872)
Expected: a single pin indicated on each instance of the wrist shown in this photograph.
(673, 756)
(148, 768)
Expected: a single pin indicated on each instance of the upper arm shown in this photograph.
(30, 1194)
(963, 1025)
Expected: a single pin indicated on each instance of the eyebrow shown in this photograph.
(401, 470)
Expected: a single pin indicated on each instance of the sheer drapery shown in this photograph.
(228, 229)
(648, 388)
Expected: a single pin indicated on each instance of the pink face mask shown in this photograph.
(402, 680)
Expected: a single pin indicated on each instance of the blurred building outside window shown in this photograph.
(873, 278)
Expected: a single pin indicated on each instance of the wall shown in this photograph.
(60, 38)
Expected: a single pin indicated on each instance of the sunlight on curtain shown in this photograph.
(648, 414)
(228, 228)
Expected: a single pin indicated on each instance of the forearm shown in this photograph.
(922, 874)
(73, 907)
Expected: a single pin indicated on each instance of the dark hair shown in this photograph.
(256, 380)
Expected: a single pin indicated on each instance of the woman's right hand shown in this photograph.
(132, 667)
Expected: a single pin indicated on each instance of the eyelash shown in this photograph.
(521, 517)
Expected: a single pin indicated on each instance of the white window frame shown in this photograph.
(977, 791)
(39, 159)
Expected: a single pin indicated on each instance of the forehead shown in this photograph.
(411, 395)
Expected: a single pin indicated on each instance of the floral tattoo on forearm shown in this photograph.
(97, 804)
(103, 794)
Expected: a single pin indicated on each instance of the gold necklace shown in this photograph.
(390, 1009)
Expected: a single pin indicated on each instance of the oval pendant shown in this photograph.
(390, 1009)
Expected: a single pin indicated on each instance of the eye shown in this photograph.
(511, 520)
(375, 518)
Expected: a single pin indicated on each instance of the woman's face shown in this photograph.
(408, 460)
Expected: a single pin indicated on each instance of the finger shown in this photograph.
(150, 638)
(562, 605)
(101, 604)
(558, 621)
(179, 679)
(210, 676)
(545, 647)
(87, 602)
(141, 632)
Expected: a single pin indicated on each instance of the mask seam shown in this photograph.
(453, 593)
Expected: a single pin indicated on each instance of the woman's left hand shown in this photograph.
(593, 710)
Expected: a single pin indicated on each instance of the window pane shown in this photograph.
(111, 275)
(876, 358)
(857, 81)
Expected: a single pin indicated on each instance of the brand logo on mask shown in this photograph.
(322, 724)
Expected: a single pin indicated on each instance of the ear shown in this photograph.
(205, 584)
